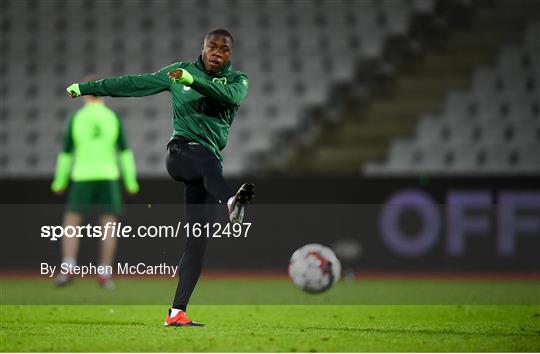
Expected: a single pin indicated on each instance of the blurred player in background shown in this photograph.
(206, 95)
(93, 138)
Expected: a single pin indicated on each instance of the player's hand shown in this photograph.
(180, 76)
(60, 192)
(132, 188)
(73, 90)
(57, 189)
(175, 74)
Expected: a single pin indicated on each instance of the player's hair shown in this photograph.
(220, 31)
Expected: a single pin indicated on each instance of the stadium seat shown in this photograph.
(492, 128)
(78, 38)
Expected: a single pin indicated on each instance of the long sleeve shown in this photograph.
(64, 160)
(130, 85)
(231, 94)
(127, 162)
(61, 175)
(129, 171)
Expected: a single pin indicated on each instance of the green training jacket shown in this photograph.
(202, 112)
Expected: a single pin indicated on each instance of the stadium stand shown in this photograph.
(493, 128)
(368, 130)
(57, 42)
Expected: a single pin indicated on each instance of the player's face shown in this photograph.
(216, 52)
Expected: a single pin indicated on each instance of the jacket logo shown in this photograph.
(187, 88)
(221, 80)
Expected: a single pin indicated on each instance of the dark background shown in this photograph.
(288, 213)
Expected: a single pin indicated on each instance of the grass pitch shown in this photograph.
(311, 327)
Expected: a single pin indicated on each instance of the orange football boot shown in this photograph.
(180, 320)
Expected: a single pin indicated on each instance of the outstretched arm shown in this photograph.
(232, 93)
(125, 86)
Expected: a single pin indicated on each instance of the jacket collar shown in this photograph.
(226, 69)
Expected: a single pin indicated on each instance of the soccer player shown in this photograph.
(93, 138)
(206, 95)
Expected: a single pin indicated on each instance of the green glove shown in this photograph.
(185, 79)
(73, 90)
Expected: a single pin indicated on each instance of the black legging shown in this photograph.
(202, 175)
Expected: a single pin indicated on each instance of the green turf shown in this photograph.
(277, 292)
(266, 315)
(307, 328)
